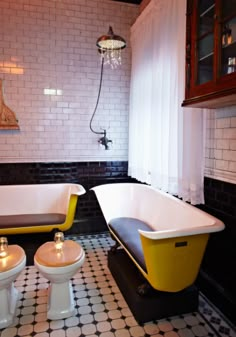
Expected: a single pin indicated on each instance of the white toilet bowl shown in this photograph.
(59, 268)
(10, 268)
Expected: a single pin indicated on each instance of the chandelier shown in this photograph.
(110, 47)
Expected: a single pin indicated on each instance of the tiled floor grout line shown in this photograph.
(227, 321)
(209, 323)
(101, 310)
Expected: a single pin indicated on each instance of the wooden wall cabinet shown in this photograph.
(210, 53)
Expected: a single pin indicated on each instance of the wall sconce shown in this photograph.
(109, 46)
(59, 240)
(3, 247)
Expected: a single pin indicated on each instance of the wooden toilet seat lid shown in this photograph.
(14, 257)
(47, 255)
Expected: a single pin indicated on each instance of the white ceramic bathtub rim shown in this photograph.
(37, 198)
(175, 217)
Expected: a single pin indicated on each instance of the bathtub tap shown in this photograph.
(164, 236)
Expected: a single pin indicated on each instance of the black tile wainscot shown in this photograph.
(88, 217)
(217, 277)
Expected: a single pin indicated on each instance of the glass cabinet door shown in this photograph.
(205, 41)
(228, 37)
(210, 66)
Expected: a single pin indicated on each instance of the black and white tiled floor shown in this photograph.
(101, 309)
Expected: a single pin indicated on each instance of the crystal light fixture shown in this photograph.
(110, 47)
(3, 247)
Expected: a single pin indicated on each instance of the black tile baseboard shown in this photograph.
(217, 277)
(220, 196)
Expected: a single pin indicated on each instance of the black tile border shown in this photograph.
(220, 195)
(217, 278)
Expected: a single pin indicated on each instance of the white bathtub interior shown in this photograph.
(166, 215)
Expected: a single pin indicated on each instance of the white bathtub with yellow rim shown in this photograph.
(38, 207)
(174, 246)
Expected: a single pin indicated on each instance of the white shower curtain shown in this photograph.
(166, 141)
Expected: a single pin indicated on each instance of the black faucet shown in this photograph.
(104, 140)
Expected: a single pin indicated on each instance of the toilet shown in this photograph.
(10, 268)
(59, 267)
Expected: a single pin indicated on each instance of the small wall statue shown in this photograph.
(8, 120)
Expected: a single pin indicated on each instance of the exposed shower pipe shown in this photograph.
(109, 46)
(103, 140)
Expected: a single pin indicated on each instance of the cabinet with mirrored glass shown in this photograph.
(210, 53)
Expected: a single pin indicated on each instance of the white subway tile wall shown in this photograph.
(221, 144)
(51, 69)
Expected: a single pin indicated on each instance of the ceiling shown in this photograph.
(136, 2)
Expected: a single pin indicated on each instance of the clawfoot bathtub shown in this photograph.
(38, 207)
(164, 236)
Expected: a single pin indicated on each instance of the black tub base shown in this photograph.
(155, 304)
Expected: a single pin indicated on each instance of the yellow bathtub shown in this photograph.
(168, 241)
(37, 207)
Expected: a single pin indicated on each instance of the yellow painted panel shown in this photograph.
(173, 264)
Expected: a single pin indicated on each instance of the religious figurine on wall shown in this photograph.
(8, 120)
